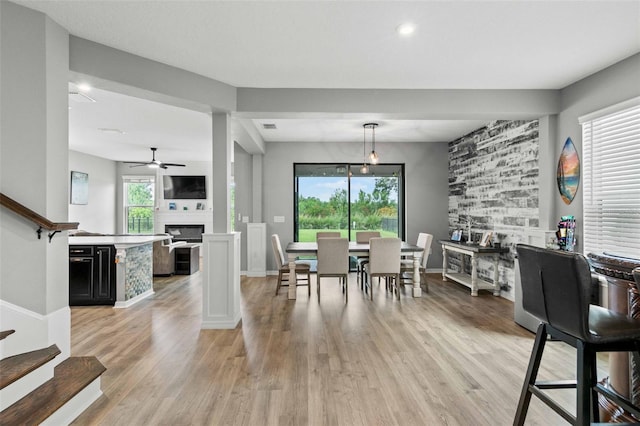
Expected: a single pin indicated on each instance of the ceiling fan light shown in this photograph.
(153, 165)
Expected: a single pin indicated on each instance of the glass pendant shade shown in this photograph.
(373, 156)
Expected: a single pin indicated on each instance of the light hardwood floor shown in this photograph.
(444, 359)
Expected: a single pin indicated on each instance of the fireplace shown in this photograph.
(188, 233)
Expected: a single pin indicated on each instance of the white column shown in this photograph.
(221, 280)
(221, 250)
(222, 145)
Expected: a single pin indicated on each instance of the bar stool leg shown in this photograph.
(532, 373)
(586, 397)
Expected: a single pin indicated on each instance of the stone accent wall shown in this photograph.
(493, 180)
(139, 271)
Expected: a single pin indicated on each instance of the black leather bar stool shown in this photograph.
(556, 290)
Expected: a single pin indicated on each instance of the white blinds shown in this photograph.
(611, 181)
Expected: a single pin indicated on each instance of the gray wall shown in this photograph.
(426, 168)
(99, 214)
(612, 85)
(242, 176)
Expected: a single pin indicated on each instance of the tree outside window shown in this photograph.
(139, 199)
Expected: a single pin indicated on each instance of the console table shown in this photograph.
(475, 252)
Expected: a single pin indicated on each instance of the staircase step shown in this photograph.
(6, 333)
(70, 377)
(18, 366)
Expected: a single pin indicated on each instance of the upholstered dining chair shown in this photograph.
(302, 268)
(333, 261)
(384, 261)
(327, 234)
(406, 265)
(556, 289)
(363, 237)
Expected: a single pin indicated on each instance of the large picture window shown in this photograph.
(338, 197)
(138, 204)
(611, 192)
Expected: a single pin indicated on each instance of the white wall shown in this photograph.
(99, 215)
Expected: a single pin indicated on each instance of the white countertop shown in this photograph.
(119, 241)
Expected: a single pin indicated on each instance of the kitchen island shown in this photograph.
(111, 269)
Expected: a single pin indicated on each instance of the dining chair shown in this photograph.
(363, 237)
(406, 265)
(556, 289)
(384, 261)
(333, 261)
(302, 268)
(328, 234)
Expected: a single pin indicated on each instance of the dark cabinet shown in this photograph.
(187, 259)
(92, 275)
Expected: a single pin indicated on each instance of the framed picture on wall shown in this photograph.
(486, 238)
(79, 188)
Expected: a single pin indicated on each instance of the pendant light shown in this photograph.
(373, 156)
(365, 168)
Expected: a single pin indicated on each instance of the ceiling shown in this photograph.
(472, 44)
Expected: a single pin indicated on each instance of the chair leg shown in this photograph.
(584, 388)
(595, 409)
(423, 280)
(279, 282)
(309, 284)
(346, 289)
(532, 373)
(318, 285)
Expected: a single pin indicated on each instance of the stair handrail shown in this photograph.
(41, 221)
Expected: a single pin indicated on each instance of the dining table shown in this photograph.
(296, 249)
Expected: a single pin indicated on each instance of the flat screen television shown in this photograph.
(184, 187)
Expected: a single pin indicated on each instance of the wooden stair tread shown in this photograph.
(15, 367)
(6, 333)
(70, 377)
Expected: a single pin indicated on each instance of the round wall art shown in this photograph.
(568, 175)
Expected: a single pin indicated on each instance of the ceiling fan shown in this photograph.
(153, 164)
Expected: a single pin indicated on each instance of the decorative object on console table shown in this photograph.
(566, 233)
(623, 297)
(79, 188)
(172, 206)
(486, 239)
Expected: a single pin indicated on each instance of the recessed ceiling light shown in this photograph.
(269, 126)
(84, 87)
(406, 29)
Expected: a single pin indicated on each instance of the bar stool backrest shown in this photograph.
(556, 288)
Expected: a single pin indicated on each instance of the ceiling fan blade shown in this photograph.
(142, 163)
(139, 165)
(172, 165)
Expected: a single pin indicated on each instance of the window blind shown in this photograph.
(611, 180)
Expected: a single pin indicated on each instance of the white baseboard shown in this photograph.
(135, 300)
